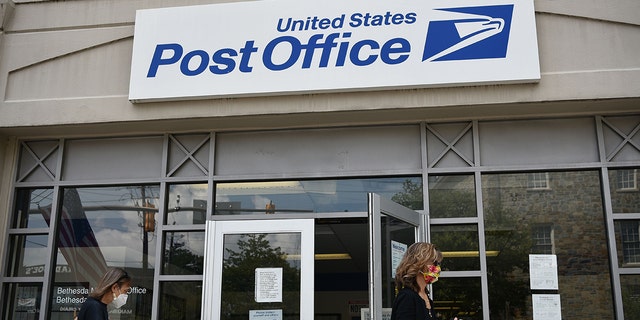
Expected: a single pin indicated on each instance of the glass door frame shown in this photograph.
(378, 206)
(212, 278)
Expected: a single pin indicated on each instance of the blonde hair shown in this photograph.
(112, 276)
(418, 256)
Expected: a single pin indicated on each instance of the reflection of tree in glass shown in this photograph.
(508, 272)
(411, 196)
(445, 203)
(179, 259)
(238, 277)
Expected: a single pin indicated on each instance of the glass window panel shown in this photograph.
(630, 295)
(571, 211)
(187, 204)
(398, 231)
(27, 255)
(458, 297)
(180, 300)
(459, 245)
(628, 243)
(341, 260)
(22, 301)
(106, 227)
(243, 254)
(625, 196)
(32, 208)
(348, 195)
(452, 196)
(183, 253)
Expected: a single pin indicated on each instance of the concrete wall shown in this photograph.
(7, 149)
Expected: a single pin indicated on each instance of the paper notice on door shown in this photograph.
(265, 314)
(397, 252)
(365, 313)
(268, 285)
(543, 272)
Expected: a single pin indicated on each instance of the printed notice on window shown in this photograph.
(268, 285)
(366, 314)
(543, 271)
(397, 252)
(265, 314)
(546, 307)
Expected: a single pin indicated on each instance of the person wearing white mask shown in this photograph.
(111, 291)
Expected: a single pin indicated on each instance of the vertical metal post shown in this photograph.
(375, 273)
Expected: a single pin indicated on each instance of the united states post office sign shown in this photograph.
(290, 47)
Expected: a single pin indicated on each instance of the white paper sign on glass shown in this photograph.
(398, 250)
(268, 285)
(543, 272)
(546, 307)
(287, 47)
(265, 314)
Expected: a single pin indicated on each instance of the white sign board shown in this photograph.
(268, 285)
(546, 307)
(288, 47)
(543, 272)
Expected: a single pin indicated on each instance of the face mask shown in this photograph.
(120, 300)
(432, 275)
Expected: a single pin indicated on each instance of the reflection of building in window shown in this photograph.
(630, 242)
(626, 179)
(542, 239)
(538, 180)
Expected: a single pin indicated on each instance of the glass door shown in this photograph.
(259, 269)
(392, 229)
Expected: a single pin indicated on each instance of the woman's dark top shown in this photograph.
(93, 309)
(408, 305)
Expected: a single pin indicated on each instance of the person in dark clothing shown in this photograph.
(112, 289)
(419, 267)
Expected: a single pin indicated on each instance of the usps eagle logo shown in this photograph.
(468, 33)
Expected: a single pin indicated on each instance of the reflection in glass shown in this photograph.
(565, 219)
(630, 295)
(458, 297)
(243, 254)
(459, 245)
(628, 243)
(33, 208)
(22, 301)
(183, 253)
(625, 194)
(452, 196)
(402, 234)
(187, 204)
(348, 195)
(27, 254)
(107, 227)
(180, 300)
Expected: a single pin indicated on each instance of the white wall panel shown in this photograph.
(538, 142)
(124, 158)
(306, 151)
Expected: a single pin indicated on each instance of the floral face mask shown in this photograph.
(432, 274)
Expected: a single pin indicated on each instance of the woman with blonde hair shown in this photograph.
(419, 267)
(112, 289)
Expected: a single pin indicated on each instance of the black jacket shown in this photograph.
(408, 305)
(93, 309)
